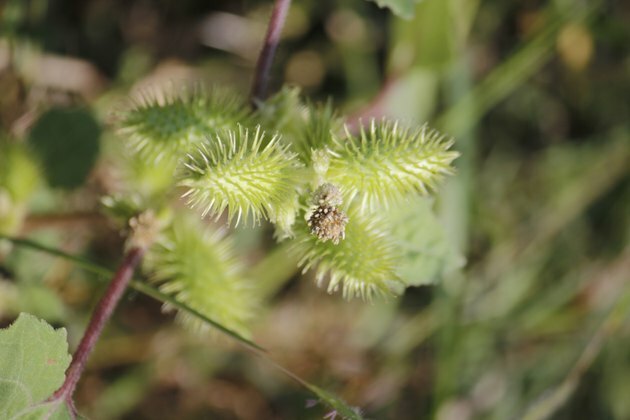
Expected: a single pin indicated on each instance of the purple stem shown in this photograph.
(265, 59)
(100, 316)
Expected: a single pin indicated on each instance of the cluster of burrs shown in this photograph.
(327, 221)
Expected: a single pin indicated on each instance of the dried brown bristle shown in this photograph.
(328, 223)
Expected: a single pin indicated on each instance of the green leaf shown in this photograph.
(403, 8)
(18, 180)
(67, 143)
(512, 73)
(33, 361)
(422, 244)
(13, 14)
(40, 300)
(404, 103)
(427, 40)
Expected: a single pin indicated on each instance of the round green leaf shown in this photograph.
(33, 361)
(67, 143)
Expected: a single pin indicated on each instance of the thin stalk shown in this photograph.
(324, 396)
(138, 285)
(265, 59)
(100, 316)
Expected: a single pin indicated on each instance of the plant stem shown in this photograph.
(100, 316)
(265, 59)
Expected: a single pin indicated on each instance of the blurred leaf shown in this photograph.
(616, 386)
(18, 173)
(18, 179)
(424, 249)
(33, 361)
(510, 75)
(403, 101)
(552, 400)
(34, 298)
(402, 8)
(575, 46)
(274, 270)
(427, 40)
(12, 13)
(41, 301)
(8, 296)
(67, 142)
(123, 393)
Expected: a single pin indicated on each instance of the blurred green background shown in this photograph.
(529, 320)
